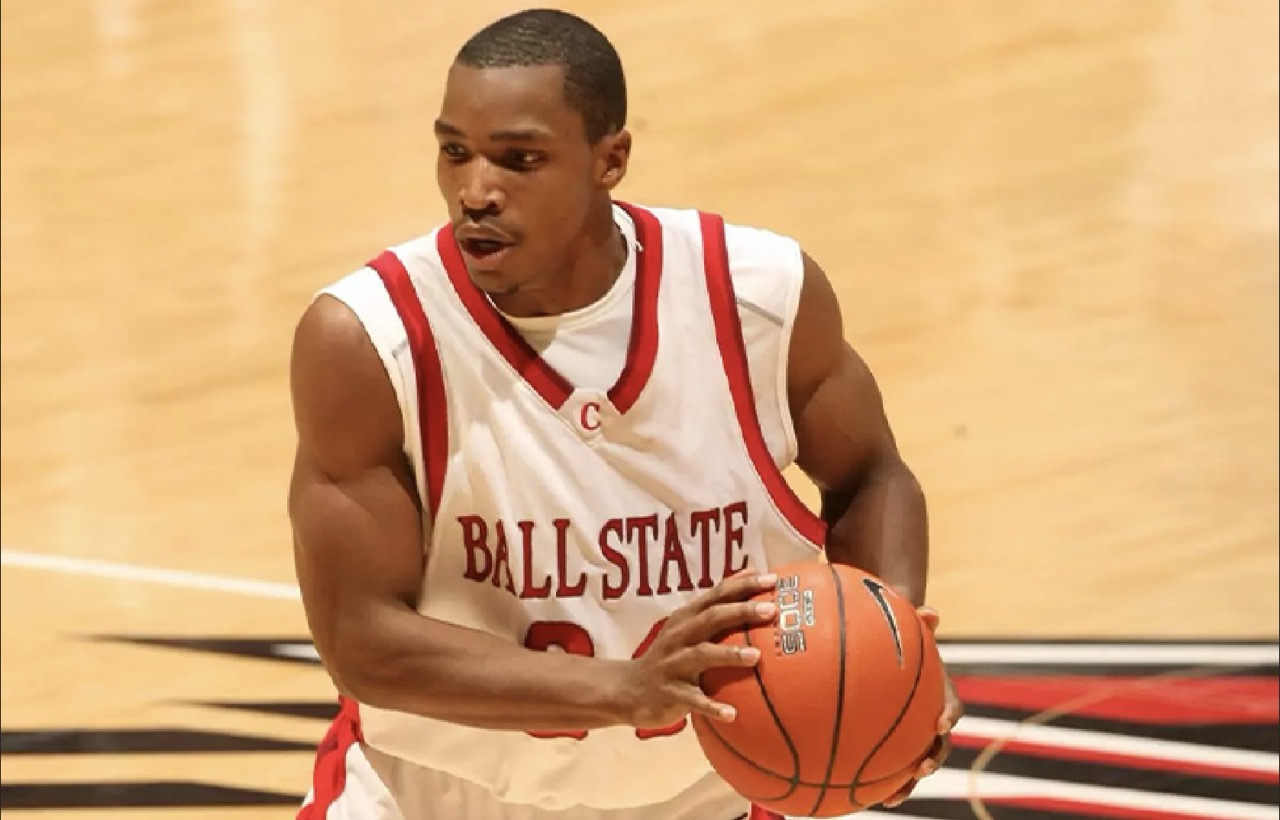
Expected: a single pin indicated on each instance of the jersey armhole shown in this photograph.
(733, 356)
(768, 273)
(383, 297)
(794, 288)
(432, 419)
(364, 296)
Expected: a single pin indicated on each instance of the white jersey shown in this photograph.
(574, 507)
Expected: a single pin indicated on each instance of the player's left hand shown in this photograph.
(952, 710)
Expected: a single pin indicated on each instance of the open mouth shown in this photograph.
(483, 248)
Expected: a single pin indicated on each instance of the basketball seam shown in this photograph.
(837, 722)
(790, 781)
(906, 704)
(777, 719)
(794, 781)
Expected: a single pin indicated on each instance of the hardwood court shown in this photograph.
(1053, 226)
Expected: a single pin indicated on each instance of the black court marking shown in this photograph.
(137, 741)
(312, 710)
(136, 795)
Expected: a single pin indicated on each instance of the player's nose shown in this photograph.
(480, 189)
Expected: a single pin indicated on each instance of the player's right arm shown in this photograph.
(357, 529)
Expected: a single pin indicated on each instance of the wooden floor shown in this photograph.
(1053, 226)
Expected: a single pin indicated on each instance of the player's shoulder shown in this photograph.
(413, 253)
(356, 308)
(752, 249)
(420, 250)
(766, 265)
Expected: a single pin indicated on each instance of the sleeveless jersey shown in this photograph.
(576, 518)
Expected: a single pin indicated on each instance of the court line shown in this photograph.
(148, 575)
(1062, 737)
(954, 784)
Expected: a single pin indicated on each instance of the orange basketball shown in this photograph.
(843, 705)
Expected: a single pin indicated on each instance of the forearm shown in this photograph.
(428, 667)
(881, 526)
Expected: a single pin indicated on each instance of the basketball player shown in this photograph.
(539, 462)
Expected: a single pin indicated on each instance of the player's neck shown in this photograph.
(592, 270)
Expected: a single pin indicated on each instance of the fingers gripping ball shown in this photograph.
(843, 705)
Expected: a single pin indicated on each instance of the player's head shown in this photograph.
(532, 141)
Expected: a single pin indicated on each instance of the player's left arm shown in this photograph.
(873, 505)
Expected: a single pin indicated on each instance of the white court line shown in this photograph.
(954, 784)
(297, 651)
(1084, 740)
(147, 575)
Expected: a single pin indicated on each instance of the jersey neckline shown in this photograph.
(618, 291)
(553, 387)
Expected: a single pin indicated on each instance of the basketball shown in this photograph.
(844, 702)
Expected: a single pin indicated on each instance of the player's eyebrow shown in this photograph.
(530, 134)
(446, 129)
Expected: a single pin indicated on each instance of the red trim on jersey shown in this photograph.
(760, 813)
(733, 353)
(643, 346)
(329, 777)
(433, 419)
(542, 377)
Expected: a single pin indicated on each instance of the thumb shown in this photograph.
(930, 617)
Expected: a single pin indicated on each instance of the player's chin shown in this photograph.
(493, 283)
(494, 273)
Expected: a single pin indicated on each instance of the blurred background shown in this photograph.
(1053, 227)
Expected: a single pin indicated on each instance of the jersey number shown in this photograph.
(572, 638)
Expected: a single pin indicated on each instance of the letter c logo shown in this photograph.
(589, 417)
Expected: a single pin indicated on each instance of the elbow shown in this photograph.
(358, 668)
(888, 467)
(343, 670)
(902, 473)
(885, 470)
(363, 680)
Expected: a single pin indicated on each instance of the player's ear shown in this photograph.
(615, 152)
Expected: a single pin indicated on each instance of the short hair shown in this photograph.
(594, 84)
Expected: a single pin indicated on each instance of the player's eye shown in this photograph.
(524, 160)
(453, 151)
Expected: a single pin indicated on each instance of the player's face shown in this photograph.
(517, 173)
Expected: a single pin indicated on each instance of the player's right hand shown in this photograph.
(662, 684)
